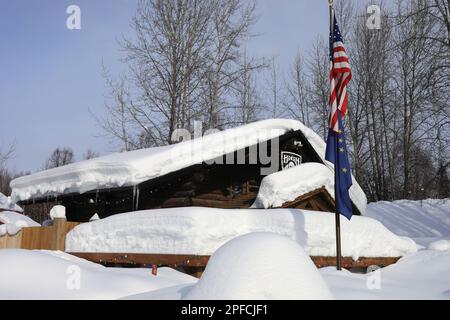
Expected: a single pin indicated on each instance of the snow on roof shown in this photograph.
(7, 204)
(284, 186)
(201, 231)
(134, 167)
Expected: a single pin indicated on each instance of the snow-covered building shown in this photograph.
(266, 164)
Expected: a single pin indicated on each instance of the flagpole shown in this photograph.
(337, 215)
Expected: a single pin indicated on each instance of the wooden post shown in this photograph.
(59, 234)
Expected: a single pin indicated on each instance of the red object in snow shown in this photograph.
(154, 269)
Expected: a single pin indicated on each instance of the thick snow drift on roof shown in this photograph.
(40, 275)
(260, 266)
(283, 186)
(131, 168)
(201, 231)
(7, 204)
(13, 222)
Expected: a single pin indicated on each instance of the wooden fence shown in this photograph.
(46, 238)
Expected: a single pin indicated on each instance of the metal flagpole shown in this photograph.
(337, 215)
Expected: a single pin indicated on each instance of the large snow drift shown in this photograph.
(423, 275)
(260, 266)
(202, 231)
(131, 168)
(7, 204)
(13, 222)
(28, 274)
(425, 221)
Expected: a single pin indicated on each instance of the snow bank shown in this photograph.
(425, 221)
(13, 222)
(131, 168)
(28, 274)
(287, 185)
(423, 275)
(7, 204)
(440, 245)
(58, 212)
(202, 231)
(260, 266)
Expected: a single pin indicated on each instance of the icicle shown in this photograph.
(134, 197)
(137, 198)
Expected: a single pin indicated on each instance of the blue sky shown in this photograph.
(51, 76)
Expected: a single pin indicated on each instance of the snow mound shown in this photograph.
(28, 274)
(131, 168)
(423, 275)
(202, 231)
(58, 212)
(6, 203)
(425, 221)
(260, 266)
(440, 245)
(12, 222)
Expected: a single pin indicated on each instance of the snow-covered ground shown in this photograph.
(26, 274)
(202, 231)
(424, 221)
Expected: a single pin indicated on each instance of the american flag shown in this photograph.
(336, 151)
(340, 76)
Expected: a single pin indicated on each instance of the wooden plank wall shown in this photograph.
(11, 242)
(42, 238)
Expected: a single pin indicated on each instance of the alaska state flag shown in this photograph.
(336, 153)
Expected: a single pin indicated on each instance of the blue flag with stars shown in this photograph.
(336, 153)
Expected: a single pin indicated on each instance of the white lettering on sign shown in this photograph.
(290, 159)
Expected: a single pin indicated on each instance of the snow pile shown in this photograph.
(8, 205)
(260, 266)
(423, 275)
(12, 222)
(440, 245)
(58, 212)
(131, 168)
(425, 221)
(202, 231)
(28, 274)
(287, 185)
